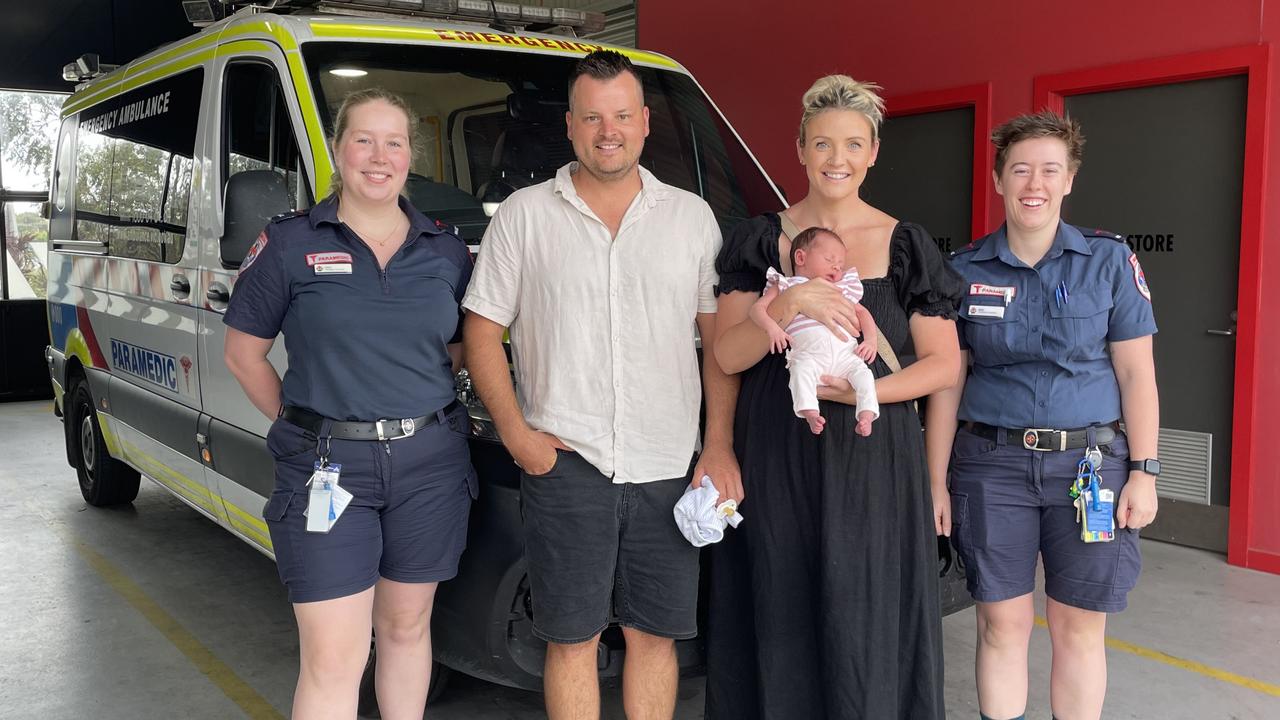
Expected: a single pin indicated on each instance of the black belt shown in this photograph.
(379, 430)
(1044, 439)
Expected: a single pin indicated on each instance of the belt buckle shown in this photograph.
(407, 428)
(1031, 439)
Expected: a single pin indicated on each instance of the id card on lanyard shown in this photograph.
(327, 500)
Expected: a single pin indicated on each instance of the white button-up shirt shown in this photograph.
(602, 328)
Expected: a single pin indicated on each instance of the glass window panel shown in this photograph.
(26, 251)
(133, 169)
(501, 120)
(28, 131)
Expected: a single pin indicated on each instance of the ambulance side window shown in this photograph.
(258, 134)
(133, 169)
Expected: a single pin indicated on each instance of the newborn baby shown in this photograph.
(814, 350)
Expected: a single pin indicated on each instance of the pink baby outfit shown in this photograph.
(816, 351)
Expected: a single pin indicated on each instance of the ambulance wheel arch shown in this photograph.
(103, 479)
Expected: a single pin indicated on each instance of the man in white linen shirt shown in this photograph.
(600, 274)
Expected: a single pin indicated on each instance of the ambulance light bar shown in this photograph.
(505, 14)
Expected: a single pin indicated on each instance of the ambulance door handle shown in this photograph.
(218, 296)
(180, 286)
(1228, 332)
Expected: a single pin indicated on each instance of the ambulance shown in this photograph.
(166, 170)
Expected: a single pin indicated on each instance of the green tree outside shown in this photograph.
(28, 131)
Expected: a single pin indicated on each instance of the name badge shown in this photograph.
(333, 268)
(326, 258)
(995, 311)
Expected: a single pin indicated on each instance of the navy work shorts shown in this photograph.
(407, 521)
(1010, 504)
(598, 549)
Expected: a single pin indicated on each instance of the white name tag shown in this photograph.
(333, 269)
(995, 311)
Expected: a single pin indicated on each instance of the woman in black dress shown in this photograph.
(824, 604)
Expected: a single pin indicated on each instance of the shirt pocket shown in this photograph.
(1081, 322)
(993, 340)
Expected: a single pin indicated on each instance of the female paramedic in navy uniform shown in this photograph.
(1058, 324)
(366, 291)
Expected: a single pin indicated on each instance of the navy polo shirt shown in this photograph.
(367, 344)
(1038, 336)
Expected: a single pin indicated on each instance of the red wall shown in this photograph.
(756, 57)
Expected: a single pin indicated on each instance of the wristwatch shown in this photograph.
(1150, 466)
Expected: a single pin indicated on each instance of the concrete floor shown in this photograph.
(152, 611)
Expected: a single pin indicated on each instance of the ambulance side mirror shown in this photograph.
(251, 199)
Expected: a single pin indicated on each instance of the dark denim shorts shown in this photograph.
(407, 521)
(599, 551)
(1010, 504)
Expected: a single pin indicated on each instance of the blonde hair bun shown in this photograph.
(841, 92)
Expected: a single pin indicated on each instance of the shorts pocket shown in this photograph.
(286, 440)
(960, 522)
(554, 464)
(473, 483)
(278, 505)
(459, 423)
(968, 445)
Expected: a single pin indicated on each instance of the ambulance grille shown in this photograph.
(1186, 459)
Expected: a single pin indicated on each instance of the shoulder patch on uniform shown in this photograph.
(254, 251)
(1139, 277)
(1094, 232)
(288, 215)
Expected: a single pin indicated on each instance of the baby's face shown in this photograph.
(824, 259)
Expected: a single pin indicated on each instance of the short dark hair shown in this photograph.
(603, 65)
(1045, 123)
(806, 239)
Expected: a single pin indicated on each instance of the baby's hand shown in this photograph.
(866, 351)
(779, 340)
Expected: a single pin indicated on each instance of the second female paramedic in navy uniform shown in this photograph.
(366, 291)
(1057, 323)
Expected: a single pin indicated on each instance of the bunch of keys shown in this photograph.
(1095, 506)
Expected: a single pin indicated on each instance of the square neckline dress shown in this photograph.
(824, 603)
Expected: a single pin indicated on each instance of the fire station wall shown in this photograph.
(756, 58)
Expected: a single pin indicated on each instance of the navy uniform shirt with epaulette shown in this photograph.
(362, 345)
(1038, 336)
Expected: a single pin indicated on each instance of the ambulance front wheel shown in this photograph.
(103, 479)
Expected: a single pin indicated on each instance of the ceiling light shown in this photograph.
(348, 72)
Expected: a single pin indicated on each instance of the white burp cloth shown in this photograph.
(700, 519)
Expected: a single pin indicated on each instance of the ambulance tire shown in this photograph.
(103, 479)
(367, 708)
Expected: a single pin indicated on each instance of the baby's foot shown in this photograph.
(864, 423)
(816, 421)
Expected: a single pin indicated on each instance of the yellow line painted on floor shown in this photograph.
(254, 705)
(1188, 665)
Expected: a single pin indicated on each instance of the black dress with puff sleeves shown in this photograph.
(824, 602)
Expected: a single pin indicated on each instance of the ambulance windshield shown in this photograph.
(492, 122)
